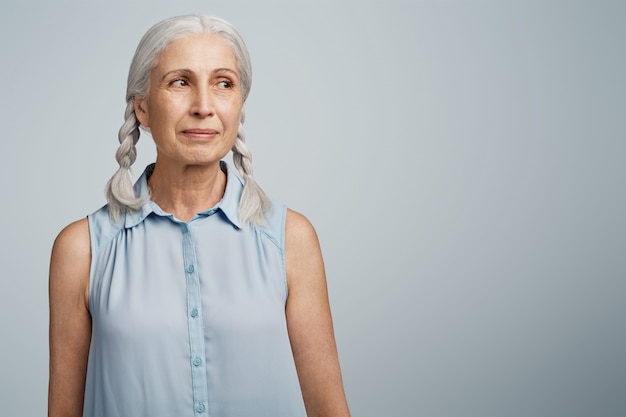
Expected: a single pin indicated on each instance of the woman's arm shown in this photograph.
(70, 321)
(309, 322)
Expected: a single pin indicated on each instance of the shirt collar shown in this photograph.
(229, 204)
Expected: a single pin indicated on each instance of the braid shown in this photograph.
(254, 202)
(119, 190)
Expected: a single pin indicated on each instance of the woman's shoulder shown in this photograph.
(298, 223)
(299, 232)
(74, 236)
(73, 240)
(303, 256)
(77, 238)
(71, 256)
(286, 226)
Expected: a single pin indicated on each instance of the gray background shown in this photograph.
(463, 162)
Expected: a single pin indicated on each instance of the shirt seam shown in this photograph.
(95, 246)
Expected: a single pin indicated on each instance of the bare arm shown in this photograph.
(70, 321)
(309, 322)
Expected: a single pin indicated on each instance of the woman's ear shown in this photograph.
(141, 111)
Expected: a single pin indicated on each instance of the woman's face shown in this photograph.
(194, 104)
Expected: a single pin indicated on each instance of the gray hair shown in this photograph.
(119, 190)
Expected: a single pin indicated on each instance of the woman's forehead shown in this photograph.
(203, 51)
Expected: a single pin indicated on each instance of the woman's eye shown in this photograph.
(225, 84)
(178, 83)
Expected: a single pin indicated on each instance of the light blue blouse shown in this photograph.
(188, 319)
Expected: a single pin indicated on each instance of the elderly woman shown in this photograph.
(190, 293)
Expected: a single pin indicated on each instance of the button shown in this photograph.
(185, 228)
(190, 269)
(197, 361)
(200, 408)
(194, 312)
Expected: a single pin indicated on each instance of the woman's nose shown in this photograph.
(202, 105)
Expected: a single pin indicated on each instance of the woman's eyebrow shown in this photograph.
(187, 72)
(218, 70)
(180, 71)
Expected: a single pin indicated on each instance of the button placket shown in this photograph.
(196, 326)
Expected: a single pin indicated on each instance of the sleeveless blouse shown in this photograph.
(188, 318)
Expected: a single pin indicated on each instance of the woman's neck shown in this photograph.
(185, 191)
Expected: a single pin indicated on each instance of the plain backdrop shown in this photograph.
(462, 161)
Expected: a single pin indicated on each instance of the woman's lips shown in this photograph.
(200, 133)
